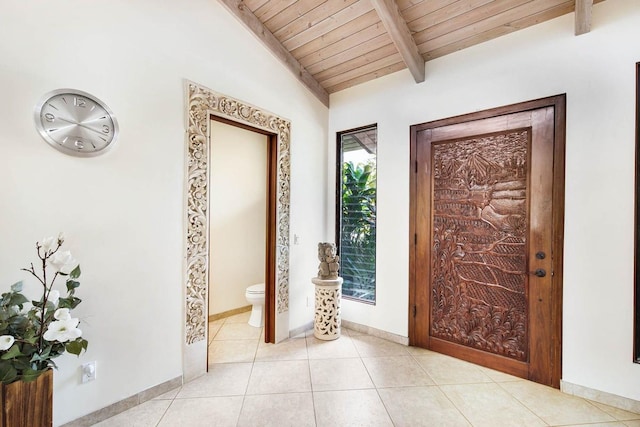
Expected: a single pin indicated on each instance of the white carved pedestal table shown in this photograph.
(327, 318)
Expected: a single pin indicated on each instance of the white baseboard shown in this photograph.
(375, 332)
(125, 404)
(601, 397)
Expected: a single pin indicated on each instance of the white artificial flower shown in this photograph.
(60, 238)
(63, 330)
(62, 314)
(48, 244)
(63, 262)
(54, 296)
(6, 341)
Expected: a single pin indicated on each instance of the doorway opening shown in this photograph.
(487, 216)
(239, 219)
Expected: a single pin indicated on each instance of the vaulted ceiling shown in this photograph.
(331, 45)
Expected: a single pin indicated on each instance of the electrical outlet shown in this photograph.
(88, 372)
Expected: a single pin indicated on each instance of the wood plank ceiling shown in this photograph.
(332, 45)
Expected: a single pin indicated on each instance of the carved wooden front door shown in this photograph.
(484, 242)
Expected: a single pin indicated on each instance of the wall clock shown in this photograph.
(75, 122)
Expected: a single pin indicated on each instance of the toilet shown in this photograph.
(255, 297)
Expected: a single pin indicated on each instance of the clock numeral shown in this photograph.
(80, 102)
(105, 129)
(49, 117)
(79, 144)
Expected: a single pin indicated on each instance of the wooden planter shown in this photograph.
(27, 404)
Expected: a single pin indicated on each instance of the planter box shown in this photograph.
(27, 404)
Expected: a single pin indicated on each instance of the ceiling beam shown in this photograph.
(583, 16)
(401, 36)
(240, 10)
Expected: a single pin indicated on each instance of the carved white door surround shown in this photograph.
(201, 104)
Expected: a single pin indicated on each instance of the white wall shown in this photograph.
(237, 215)
(597, 72)
(123, 211)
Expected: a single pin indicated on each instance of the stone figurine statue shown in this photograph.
(329, 261)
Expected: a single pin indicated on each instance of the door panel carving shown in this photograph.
(479, 260)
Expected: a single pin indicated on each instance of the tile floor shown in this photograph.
(357, 380)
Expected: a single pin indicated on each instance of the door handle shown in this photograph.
(540, 272)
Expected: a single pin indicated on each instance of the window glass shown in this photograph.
(356, 213)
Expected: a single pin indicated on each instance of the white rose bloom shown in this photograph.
(6, 341)
(48, 244)
(62, 314)
(54, 296)
(63, 330)
(63, 262)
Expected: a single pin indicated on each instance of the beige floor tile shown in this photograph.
(238, 318)
(223, 379)
(147, 414)
(612, 424)
(350, 408)
(617, 413)
(396, 371)
(418, 351)
(340, 348)
(489, 405)
(291, 349)
(203, 412)
(421, 406)
(555, 407)
(497, 376)
(237, 331)
(214, 327)
(278, 410)
(301, 335)
(369, 346)
(447, 370)
(288, 376)
(230, 351)
(339, 374)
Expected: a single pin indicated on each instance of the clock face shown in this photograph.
(75, 122)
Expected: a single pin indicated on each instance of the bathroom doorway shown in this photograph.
(241, 222)
(238, 216)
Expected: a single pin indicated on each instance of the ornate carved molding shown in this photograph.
(201, 104)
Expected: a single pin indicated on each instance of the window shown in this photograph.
(356, 212)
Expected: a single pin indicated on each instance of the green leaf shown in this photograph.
(13, 352)
(74, 347)
(8, 373)
(70, 302)
(18, 299)
(17, 287)
(32, 374)
(72, 284)
(75, 273)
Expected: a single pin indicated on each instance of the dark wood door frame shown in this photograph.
(559, 104)
(271, 225)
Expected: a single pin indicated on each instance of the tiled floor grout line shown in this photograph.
(313, 400)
